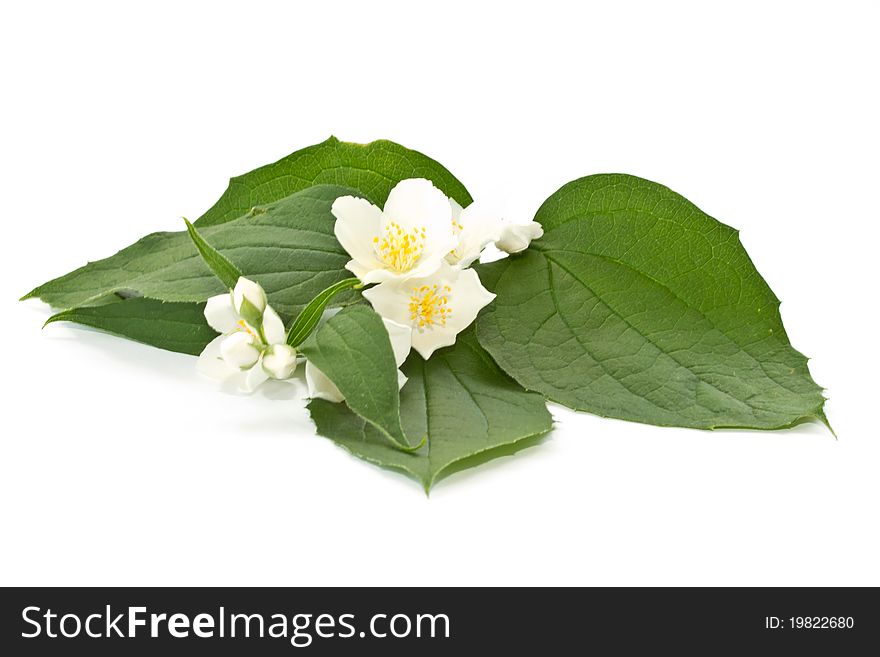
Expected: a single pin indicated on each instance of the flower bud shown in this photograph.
(516, 237)
(279, 361)
(249, 300)
(273, 327)
(239, 350)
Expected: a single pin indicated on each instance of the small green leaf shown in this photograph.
(637, 305)
(173, 326)
(216, 261)
(354, 351)
(469, 410)
(311, 314)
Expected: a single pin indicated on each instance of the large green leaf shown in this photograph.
(372, 169)
(637, 305)
(287, 246)
(167, 325)
(469, 410)
(354, 351)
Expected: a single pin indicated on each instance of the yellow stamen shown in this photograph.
(456, 230)
(428, 305)
(400, 249)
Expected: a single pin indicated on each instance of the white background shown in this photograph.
(120, 465)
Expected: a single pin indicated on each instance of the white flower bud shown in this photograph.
(239, 350)
(247, 291)
(279, 361)
(517, 237)
(273, 327)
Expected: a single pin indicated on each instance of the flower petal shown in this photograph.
(427, 341)
(517, 237)
(359, 270)
(427, 265)
(239, 350)
(479, 224)
(401, 339)
(221, 314)
(210, 363)
(320, 387)
(253, 378)
(432, 257)
(456, 209)
(391, 300)
(378, 275)
(469, 297)
(416, 203)
(273, 327)
(357, 224)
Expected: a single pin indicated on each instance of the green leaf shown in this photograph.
(372, 169)
(216, 261)
(288, 247)
(354, 351)
(291, 250)
(173, 326)
(469, 410)
(307, 320)
(637, 305)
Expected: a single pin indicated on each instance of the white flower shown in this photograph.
(437, 308)
(321, 387)
(408, 238)
(474, 227)
(252, 346)
(516, 236)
